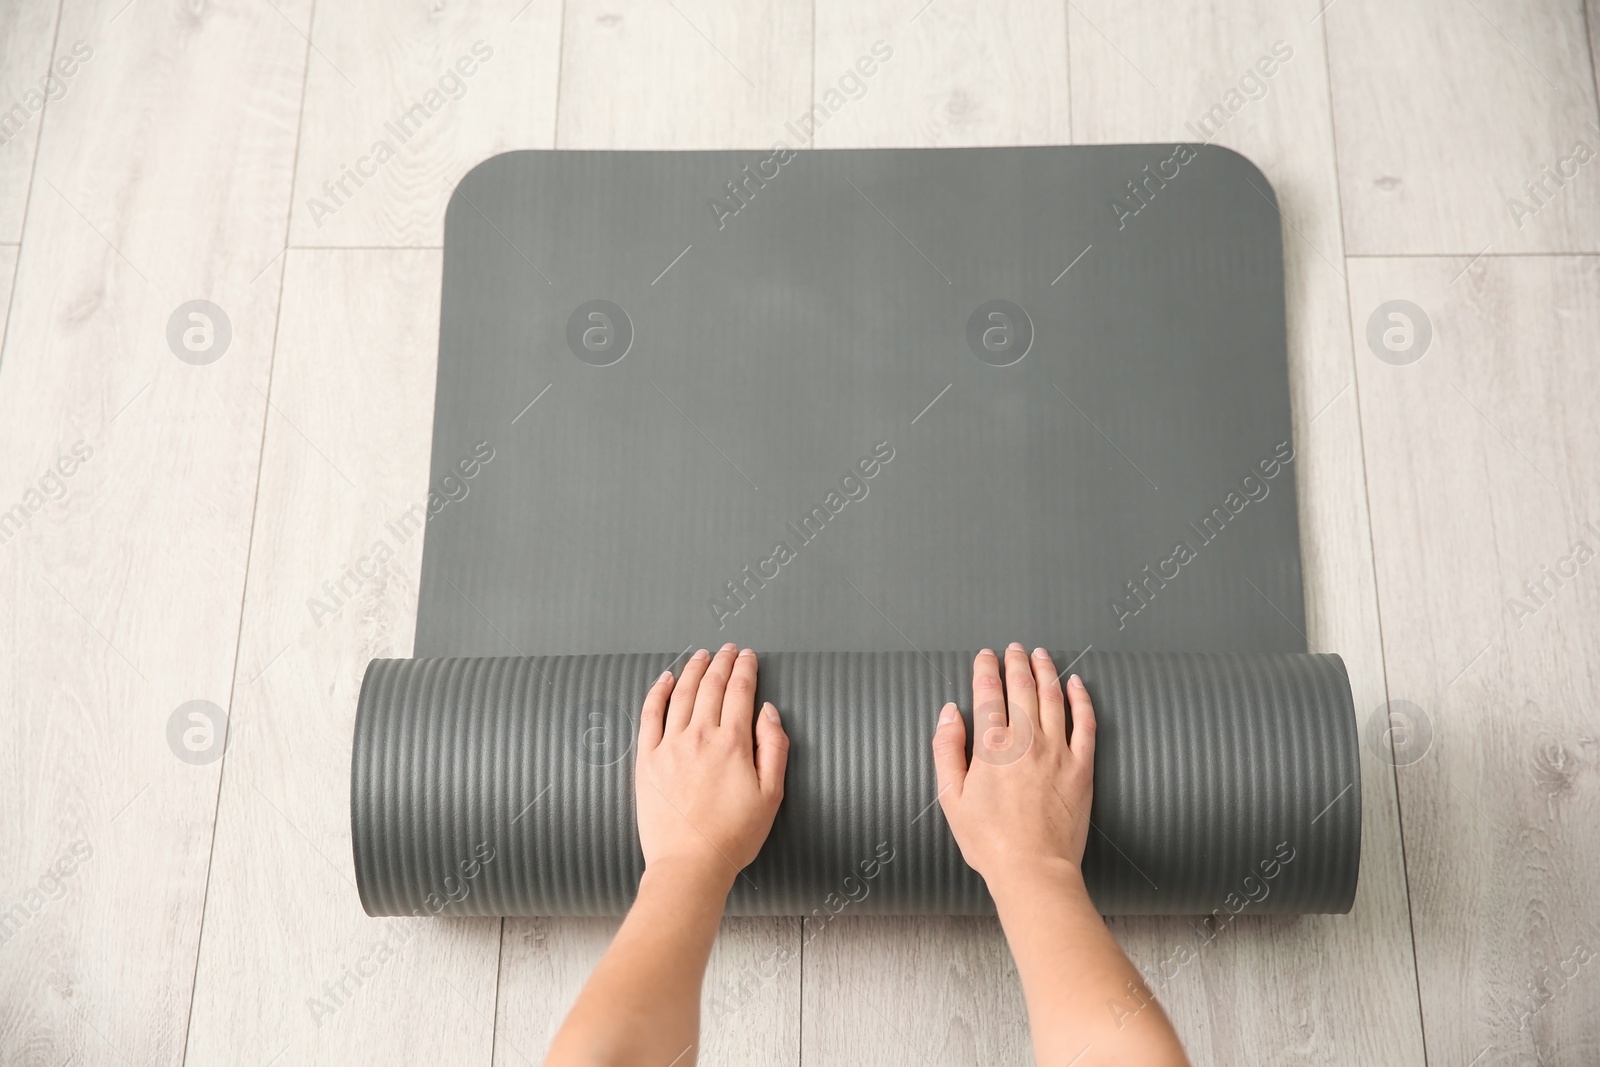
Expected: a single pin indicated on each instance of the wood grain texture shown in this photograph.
(122, 593)
(913, 990)
(27, 32)
(1444, 110)
(682, 75)
(290, 965)
(1484, 466)
(1591, 18)
(403, 99)
(1312, 989)
(8, 274)
(961, 73)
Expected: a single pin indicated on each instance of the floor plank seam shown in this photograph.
(255, 505)
(27, 196)
(1372, 548)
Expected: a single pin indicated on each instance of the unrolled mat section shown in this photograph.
(505, 786)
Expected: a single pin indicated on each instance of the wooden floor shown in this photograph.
(175, 517)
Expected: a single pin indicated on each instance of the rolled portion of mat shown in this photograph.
(1223, 783)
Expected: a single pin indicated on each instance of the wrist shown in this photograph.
(689, 877)
(1037, 879)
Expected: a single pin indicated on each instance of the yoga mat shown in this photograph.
(807, 373)
(505, 786)
(846, 407)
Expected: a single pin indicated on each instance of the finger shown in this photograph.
(1083, 724)
(950, 754)
(708, 702)
(1022, 695)
(1052, 704)
(682, 705)
(772, 753)
(653, 718)
(989, 720)
(739, 702)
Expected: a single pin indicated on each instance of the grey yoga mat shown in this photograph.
(505, 786)
(847, 407)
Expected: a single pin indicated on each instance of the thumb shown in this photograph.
(950, 752)
(772, 752)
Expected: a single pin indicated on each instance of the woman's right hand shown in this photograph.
(1022, 807)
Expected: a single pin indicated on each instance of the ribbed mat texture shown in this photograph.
(1223, 783)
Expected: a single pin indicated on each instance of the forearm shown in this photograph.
(1073, 972)
(642, 1005)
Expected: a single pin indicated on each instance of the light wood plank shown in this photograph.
(1313, 989)
(685, 75)
(27, 32)
(1445, 110)
(8, 274)
(163, 175)
(689, 74)
(913, 991)
(1484, 465)
(930, 990)
(960, 73)
(403, 99)
(1591, 13)
(289, 961)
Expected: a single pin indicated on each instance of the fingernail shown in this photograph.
(702, 654)
(729, 647)
(948, 714)
(1040, 653)
(1075, 681)
(986, 652)
(769, 711)
(664, 676)
(745, 652)
(1015, 646)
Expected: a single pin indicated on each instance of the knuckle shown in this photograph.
(741, 683)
